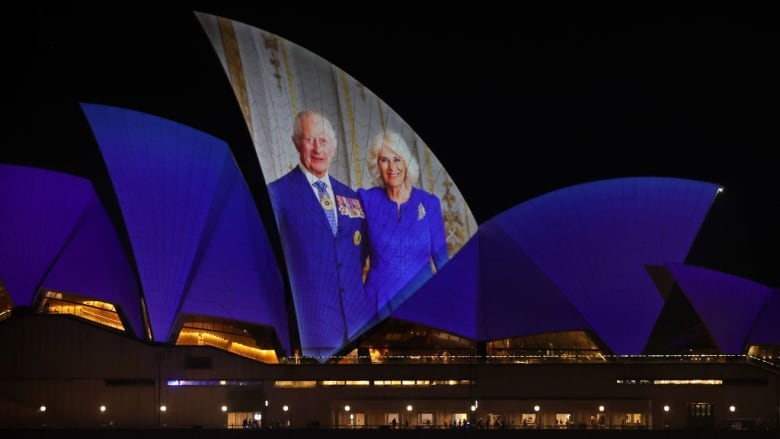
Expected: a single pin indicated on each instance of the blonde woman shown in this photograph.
(405, 228)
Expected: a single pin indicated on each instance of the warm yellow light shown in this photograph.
(198, 337)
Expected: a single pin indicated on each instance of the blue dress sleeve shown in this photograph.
(439, 251)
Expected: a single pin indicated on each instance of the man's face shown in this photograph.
(315, 146)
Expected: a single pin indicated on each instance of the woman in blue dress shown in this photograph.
(405, 228)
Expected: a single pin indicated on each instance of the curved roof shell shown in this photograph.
(56, 235)
(196, 235)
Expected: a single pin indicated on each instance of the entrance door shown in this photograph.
(701, 415)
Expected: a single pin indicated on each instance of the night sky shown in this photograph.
(513, 103)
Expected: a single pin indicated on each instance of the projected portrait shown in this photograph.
(366, 213)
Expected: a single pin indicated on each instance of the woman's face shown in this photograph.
(392, 167)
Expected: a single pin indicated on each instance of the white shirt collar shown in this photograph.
(312, 178)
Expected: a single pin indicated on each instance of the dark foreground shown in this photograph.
(394, 434)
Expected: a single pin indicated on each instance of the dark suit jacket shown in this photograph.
(325, 271)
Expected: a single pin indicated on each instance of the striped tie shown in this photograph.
(327, 204)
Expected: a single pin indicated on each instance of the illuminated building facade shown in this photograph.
(571, 310)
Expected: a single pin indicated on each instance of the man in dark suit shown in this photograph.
(322, 226)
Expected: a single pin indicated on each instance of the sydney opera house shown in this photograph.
(571, 310)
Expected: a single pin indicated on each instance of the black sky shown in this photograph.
(513, 103)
